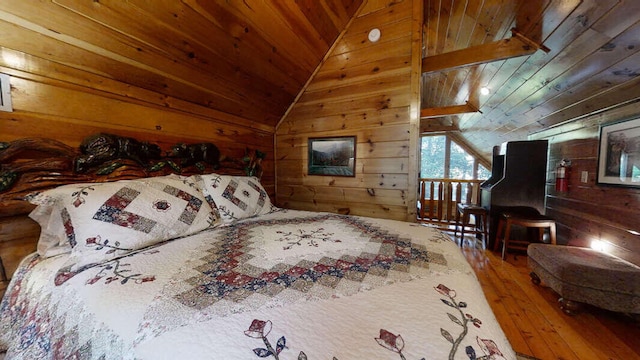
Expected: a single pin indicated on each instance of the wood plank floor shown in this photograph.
(535, 325)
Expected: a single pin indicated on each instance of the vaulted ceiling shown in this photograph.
(244, 58)
(573, 58)
(544, 61)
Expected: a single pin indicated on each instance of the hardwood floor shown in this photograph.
(535, 325)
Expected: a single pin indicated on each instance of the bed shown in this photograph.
(206, 267)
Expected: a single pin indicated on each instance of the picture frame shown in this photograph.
(332, 156)
(619, 154)
(5, 93)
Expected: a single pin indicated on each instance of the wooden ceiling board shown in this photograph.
(626, 93)
(248, 59)
(456, 21)
(479, 23)
(610, 64)
(229, 41)
(584, 46)
(323, 16)
(587, 47)
(266, 22)
(176, 78)
(604, 82)
(297, 18)
(22, 40)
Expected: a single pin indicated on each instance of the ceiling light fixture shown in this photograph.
(485, 90)
(374, 35)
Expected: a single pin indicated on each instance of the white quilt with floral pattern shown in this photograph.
(285, 285)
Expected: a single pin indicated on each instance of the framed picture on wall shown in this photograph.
(619, 154)
(5, 93)
(332, 156)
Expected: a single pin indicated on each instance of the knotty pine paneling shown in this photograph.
(362, 89)
(67, 104)
(249, 59)
(589, 211)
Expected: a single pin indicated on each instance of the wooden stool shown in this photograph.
(540, 222)
(480, 214)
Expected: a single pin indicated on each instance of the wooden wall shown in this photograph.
(588, 211)
(57, 101)
(369, 90)
(71, 106)
(79, 68)
(61, 92)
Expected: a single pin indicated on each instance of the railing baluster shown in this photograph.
(431, 193)
(422, 188)
(440, 199)
(458, 198)
(440, 205)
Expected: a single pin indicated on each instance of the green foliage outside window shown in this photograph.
(432, 164)
(432, 159)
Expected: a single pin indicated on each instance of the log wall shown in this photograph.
(369, 90)
(589, 211)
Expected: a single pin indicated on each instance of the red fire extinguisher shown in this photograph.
(562, 176)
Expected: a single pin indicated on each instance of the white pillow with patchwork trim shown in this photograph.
(103, 221)
(234, 197)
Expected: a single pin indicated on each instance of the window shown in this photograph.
(459, 164)
(433, 155)
(440, 155)
(483, 172)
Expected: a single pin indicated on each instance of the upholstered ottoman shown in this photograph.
(584, 275)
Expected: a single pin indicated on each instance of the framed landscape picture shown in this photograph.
(619, 154)
(333, 156)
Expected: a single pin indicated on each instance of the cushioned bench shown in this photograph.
(584, 275)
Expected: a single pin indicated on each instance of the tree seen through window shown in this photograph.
(461, 163)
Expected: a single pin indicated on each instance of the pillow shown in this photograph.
(234, 197)
(102, 221)
(52, 239)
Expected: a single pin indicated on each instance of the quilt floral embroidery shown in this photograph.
(310, 238)
(260, 329)
(114, 270)
(463, 320)
(80, 194)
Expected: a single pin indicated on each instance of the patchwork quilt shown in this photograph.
(282, 285)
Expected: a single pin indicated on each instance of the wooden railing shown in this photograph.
(438, 198)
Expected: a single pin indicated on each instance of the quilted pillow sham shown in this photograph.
(234, 197)
(101, 221)
(52, 240)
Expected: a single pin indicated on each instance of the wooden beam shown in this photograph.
(431, 125)
(448, 111)
(426, 127)
(497, 50)
(520, 36)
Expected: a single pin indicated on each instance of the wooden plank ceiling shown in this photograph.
(245, 58)
(591, 64)
(251, 58)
